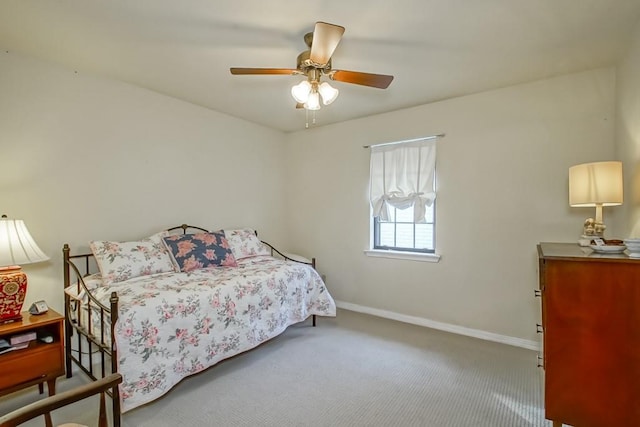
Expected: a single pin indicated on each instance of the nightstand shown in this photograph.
(40, 362)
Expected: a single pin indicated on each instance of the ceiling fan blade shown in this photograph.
(325, 40)
(282, 71)
(380, 81)
(299, 105)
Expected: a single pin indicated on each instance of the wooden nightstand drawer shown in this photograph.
(39, 360)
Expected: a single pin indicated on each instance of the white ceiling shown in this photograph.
(436, 49)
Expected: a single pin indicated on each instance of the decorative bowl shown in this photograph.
(608, 249)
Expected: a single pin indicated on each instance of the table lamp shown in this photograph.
(596, 185)
(16, 247)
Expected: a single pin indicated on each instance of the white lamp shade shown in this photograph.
(328, 93)
(593, 184)
(16, 244)
(313, 103)
(301, 91)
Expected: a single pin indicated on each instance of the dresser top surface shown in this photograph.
(575, 251)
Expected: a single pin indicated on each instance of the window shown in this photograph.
(402, 195)
(401, 233)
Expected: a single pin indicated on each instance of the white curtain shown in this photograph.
(402, 176)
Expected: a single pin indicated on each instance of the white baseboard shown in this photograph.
(461, 330)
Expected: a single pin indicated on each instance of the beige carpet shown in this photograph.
(354, 370)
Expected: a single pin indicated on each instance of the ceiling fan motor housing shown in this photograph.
(304, 63)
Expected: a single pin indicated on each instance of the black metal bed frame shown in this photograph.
(96, 341)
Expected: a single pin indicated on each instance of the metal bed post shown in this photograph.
(313, 316)
(115, 394)
(68, 329)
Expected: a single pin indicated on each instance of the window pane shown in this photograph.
(404, 235)
(424, 236)
(430, 212)
(392, 214)
(386, 234)
(404, 215)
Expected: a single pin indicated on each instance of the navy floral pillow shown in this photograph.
(200, 250)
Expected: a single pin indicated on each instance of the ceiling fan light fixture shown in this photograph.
(328, 93)
(301, 91)
(313, 103)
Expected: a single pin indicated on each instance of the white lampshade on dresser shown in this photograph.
(596, 185)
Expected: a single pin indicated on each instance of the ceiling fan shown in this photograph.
(315, 63)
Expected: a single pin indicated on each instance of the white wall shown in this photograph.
(86, 158)
(628, 134)
(502, 174)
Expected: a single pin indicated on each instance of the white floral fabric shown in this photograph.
(244, 243)
(174, 325)
(121, 261)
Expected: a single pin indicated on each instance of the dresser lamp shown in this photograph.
(16, 247)
(595, 185)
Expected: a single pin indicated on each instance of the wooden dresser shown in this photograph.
(591, 336)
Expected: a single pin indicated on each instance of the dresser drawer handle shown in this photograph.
(540, 363)
(537, 293)
(539, 328)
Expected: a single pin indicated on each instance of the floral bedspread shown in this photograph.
(172, 325)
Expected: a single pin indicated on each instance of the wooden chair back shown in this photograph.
(45, 406)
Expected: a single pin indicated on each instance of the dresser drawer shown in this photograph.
(37, 361)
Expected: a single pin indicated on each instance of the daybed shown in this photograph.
(174, 304)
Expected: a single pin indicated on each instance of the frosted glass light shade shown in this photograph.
(313, 103)
(16, 244)
(595, 184)
(301, 91)
(328, 93)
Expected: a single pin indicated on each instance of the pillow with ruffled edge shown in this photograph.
(200, 250)
(92, 282)
(244, 243)
(121, 261)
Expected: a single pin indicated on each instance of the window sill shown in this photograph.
(410, 256)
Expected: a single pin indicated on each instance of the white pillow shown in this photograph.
(120, 261)
(76, 290)
(244, 243)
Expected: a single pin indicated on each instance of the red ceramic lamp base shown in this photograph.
(13, 288)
